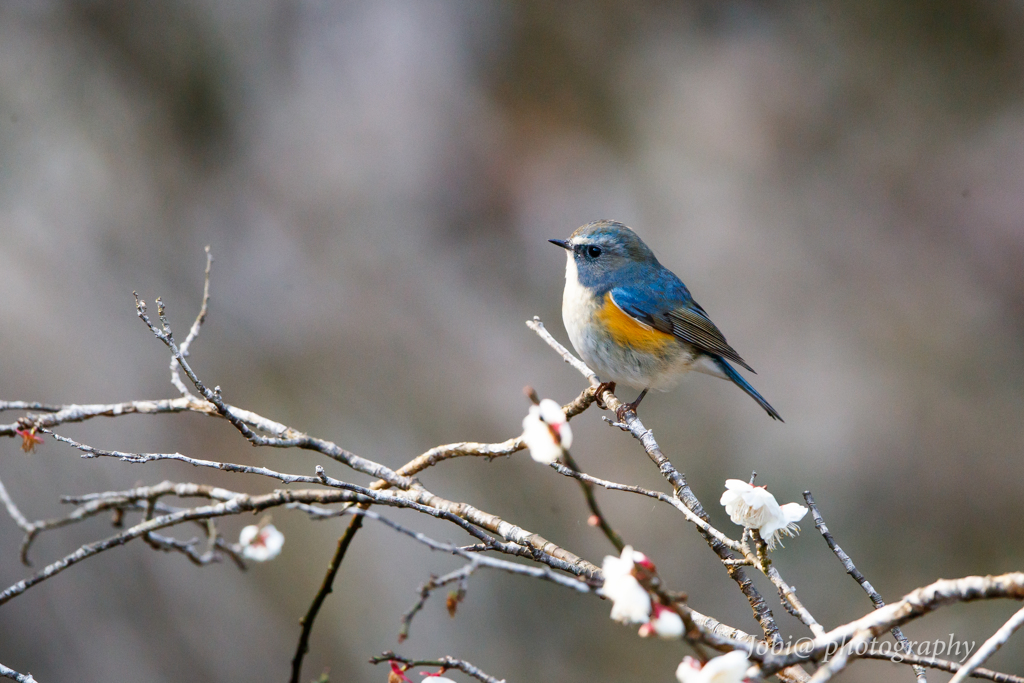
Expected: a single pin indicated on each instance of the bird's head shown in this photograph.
(603, 250)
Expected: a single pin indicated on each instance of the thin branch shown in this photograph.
(194, 331)
(475, 561)
(296, 440)
(460, 575)
(80, 413)
(851, 569)
(595, 511)
(472, 448)
(542, 572)
(140, 458)
(186, 548)
(700, 523)
(444, 663)
(941, 665)
(454, 450)
(610, 485)
(537, 326)
(13, 510)
(326, 587)
(11, 673)
(786, 593)
(990, 646)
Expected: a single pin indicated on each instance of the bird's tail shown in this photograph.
(738, 380)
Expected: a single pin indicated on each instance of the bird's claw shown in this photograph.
(621, 411)
(599, 392)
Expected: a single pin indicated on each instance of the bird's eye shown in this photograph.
(593, 252)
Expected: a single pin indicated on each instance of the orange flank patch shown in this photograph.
(626, 330)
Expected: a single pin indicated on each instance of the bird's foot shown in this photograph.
(599, 391)
(620, 414)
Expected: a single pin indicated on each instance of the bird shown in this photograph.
(633, 321)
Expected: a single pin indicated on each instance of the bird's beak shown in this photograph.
(564, 244)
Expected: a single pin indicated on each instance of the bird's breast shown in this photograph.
(615, 345)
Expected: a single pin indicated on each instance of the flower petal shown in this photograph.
(793, 512)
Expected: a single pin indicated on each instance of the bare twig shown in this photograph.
(294, 440)
(12, 674)
(444, 663)
(194, 331)
(13, 510)
(537, 326)
(139, 458)
(472, 448)
(790, 601)
(851, 569)
(543, 572)
(941, 665)
(990, 646)
(326, 587)
(460, 575)
(595, 511)
(80, 413)
(455, 450)
(186, 548)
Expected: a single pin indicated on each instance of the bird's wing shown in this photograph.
(686, 321)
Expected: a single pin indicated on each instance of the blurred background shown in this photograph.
(841, 185)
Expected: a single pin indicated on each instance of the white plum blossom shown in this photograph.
(666, 624)
(546, 432)
(729, 668)
(631, 603)
(261, 543)
(437, 679)
(752, 507)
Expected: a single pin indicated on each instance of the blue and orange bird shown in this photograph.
(633, 321)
